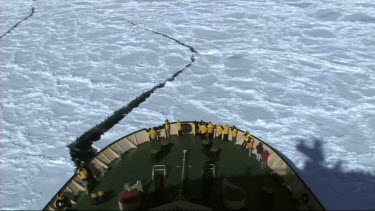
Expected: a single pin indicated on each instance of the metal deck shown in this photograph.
(233, 164)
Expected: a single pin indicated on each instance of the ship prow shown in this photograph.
(184, 170)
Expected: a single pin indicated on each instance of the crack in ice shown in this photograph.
(15, 26)
(164, 35)
(81, 148)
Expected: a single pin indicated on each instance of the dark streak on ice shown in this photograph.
(167, 36)
(31, 14)
(81, 149)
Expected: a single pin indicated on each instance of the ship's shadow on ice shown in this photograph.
(336, 188)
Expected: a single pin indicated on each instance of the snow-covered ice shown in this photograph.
(299, 74)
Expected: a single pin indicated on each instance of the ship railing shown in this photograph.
(209, 169)
(158, 169)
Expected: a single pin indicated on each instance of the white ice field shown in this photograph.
(289, 71)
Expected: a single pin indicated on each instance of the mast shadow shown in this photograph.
(336, 188)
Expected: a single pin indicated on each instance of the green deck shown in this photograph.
(233, 164)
